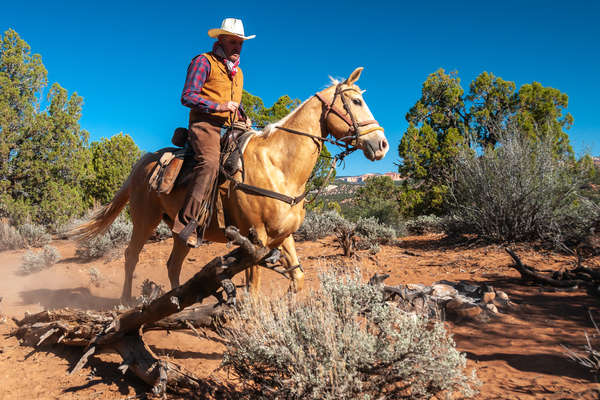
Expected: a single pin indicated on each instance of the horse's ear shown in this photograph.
(354, 76)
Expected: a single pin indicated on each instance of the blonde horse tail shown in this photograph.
(102, 218)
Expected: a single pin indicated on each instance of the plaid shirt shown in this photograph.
(197, 73)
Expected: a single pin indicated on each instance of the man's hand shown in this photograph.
(229, 106)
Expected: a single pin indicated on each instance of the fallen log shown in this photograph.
(572, 281)
(122, 332)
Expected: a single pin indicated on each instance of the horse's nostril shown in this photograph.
(384, 144)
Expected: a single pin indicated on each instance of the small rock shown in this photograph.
(415, 286)
(502, 296)
(489, 297)
(470, 311)
(442, 290)
(491, 308)
(455, 304)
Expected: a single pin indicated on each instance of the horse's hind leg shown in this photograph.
(290, 260)
(178, 253)
(143, 226)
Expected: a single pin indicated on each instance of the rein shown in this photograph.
(354, 134)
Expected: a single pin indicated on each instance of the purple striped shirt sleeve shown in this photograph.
(197, 73)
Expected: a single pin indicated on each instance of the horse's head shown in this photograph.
(348, 118)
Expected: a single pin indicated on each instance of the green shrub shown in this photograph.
(10, 238)
(117, 235)
(34, 262)
(519, 191)
(343, 341)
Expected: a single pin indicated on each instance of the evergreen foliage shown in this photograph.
(44, 155)
(112, 161)
(378, 199)
(446, 120)
(49, 173)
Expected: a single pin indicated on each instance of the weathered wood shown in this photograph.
(530, 274)
(123, 332)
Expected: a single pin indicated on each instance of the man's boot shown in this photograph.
(189, 235)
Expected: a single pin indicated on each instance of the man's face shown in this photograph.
(232, 46)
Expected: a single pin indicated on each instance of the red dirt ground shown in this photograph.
(517, 355)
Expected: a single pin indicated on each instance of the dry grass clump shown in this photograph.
(588, 357)
(37, 261)
(341, 342)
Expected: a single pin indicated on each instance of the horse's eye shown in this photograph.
(357, 101)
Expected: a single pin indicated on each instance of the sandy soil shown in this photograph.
(518, 355)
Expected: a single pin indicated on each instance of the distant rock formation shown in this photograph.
(361, 178)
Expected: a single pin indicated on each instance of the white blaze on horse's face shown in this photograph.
(370, 137)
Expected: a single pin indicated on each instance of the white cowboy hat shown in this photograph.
(230, 26)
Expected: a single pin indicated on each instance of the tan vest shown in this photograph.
(220, 88)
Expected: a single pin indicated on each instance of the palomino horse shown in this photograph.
(276, 159)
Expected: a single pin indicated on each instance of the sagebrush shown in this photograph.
(10, 238)
(425, 224)
(37, 261)
(519, 191)
(34, 235)
(162, 232)
(114, 238)
(343, 341)
(369, 231)
(318, 225)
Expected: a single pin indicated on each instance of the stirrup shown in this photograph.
(188, 234)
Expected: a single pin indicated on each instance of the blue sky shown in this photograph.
(128, 58)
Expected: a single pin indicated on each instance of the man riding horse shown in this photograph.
(213, 92)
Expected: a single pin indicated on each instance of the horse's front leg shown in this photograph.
(290, 261)
(253, 274)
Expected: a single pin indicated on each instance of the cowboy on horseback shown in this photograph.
(213, 92)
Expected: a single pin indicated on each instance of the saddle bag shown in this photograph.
(166, 171)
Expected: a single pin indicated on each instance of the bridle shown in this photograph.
(354, 127)
(348, 117)
(348, 142)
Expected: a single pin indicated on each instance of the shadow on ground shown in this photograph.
(79, 298)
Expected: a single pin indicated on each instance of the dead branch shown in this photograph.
(123, 332)
(530, 274)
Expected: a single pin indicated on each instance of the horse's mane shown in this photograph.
(267, 130)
